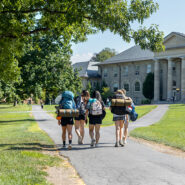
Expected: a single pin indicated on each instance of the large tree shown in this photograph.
(72, 20)
(46, 69)
(104, 55)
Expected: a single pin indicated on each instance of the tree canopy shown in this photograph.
(104, 55)
(70, 20)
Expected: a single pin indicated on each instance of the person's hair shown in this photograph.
(85, 94)
(120, 92)
(97, 95)
(124, 91)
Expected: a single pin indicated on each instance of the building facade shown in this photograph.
(129, 69)
(88, 71)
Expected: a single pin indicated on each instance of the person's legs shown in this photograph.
(69, 130)
(97, 131)
(64, 135)
(91, 133)
(121, 132)
(82, 130)
(117, 126)
(77, 129)
(125, 132)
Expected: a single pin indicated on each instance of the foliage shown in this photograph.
(106, 93)
(146, 101)
(148, 86)
(170, 130)
(46, 69)
(104, 55)
(72, 21)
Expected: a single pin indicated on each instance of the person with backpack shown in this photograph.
(127, 118)
(67, 102)
(80, 120)
(96, 111)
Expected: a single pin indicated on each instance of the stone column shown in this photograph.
(169, 80)
(156, 80)
(119, 77)
(183, 79)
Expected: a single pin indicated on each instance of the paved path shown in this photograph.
(134, 164)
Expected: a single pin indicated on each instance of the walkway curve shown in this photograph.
(134, 164)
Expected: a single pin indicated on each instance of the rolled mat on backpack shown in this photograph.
(121, 102)
(68, 112)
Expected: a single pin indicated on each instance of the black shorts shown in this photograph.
(67, 121)
(93, 120)
(80, 117)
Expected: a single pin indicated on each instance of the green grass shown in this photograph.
(170, 130)
(141, 110)
(21, 143)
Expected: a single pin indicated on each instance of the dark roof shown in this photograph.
(87, 69)
(134, 53)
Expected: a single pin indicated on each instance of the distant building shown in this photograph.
(129, 69)
(88, 73)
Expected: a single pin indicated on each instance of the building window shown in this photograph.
(126, 86)
(137, 70)
(94, 84)
(125, 70)
(115, 87)
(105, 73)
(149, 68)
(137, 86)
(115, 72)
(174, 83)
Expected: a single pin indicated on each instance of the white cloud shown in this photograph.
(81, 57)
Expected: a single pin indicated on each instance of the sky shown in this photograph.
(170, 17)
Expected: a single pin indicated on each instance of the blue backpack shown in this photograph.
(133, 114)
(67, 101)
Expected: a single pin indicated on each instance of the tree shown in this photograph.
(148, 86)
(72, 21)
(104, 55)
(46, 69)
(106, 93)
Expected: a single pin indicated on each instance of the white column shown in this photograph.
(183, 79)
(156, 80)
(169, 80)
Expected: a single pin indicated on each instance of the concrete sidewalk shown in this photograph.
(134, 164)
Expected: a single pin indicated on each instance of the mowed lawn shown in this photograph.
(141, 110)
(22, 143)
(170, 130)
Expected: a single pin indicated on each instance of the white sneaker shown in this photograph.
(124, 142)
(69, 147)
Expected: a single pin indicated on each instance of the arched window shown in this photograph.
(115, 87)
(137, 86)
(126, 86)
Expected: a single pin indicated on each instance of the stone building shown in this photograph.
(88, 73)
(128, 70)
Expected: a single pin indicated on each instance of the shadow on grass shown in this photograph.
(22, 120)
(30, 146)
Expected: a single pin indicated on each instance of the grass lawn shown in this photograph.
(141, 110)
(21, 144)
(170, 130)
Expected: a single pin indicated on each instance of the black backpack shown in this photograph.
(80, 105)
(119, 110)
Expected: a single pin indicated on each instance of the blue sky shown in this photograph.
(170, 17)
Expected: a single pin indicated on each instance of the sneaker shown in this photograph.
(116, 144)
(92, 142)
(124, 142)
(96, 145)
(121, 143)
(70, 147)
(79, 140)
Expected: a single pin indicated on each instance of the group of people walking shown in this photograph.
(92, 110)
